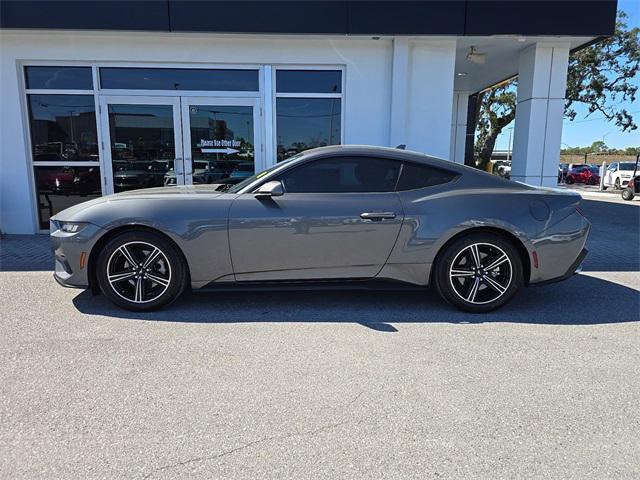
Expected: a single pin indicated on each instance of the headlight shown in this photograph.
(71, 227)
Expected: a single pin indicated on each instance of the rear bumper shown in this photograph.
(576, 267)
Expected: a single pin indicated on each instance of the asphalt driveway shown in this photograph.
(326, 384)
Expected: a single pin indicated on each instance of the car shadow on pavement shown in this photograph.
(581, 300)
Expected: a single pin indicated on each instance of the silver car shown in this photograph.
(333, 217)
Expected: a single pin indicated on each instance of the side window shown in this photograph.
(342, 175)
(613, 167)
(416, 176)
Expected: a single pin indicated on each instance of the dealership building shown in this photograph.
(99, 97)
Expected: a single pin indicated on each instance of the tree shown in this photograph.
(600, 76)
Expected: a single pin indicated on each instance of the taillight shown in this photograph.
(632, 182)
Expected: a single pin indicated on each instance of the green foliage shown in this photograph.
(600, 147)
(602, 76)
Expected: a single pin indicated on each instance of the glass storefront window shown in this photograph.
(222, 148)
(143, 147)
(61, 187)
(309, 81)
(63, 128)
(60, 78)
(179, 79)
(304, 123)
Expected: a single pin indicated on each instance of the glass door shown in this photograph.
(142, 142)
(220, 136)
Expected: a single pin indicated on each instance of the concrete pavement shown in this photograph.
(328, 384)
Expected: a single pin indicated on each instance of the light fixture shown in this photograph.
(522, 39)
(475, 57)
(462, 74)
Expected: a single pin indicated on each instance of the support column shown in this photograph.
(459, 127)
(542, 80)
(399, 92)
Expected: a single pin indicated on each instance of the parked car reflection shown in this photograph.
(140, 174)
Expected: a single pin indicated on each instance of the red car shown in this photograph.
(587, 175)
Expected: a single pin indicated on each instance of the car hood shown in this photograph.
(142, 194)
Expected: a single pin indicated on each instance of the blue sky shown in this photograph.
(586, 130)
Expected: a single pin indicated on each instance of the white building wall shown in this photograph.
(367, 94)
(542, 83)
(430, 98)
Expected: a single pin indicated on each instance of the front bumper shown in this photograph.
(68, 249)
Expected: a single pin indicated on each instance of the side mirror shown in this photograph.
(270, 189)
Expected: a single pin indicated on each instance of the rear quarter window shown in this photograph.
(414, 176)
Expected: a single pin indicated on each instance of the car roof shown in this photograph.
(397, 154)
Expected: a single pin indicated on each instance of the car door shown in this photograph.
(339, 217)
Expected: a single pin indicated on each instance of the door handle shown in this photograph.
(377, 216)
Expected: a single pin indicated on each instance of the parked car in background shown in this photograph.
(243, 170)
(563, 169)
(618, 174)
(587, 175)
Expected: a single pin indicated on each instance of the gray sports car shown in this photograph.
(344, 216)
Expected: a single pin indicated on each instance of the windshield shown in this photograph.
(627, 166)
(239, 186)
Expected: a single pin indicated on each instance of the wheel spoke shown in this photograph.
(461, 273)
(151, 258)
(496, 263)
(474, 290)
(162, 281)
(127, 255)
(118, 277)
(495, 285)
(139, 293)
(475, 255)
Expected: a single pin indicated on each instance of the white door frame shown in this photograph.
(221, 101)
(107, 161)
(182, 130)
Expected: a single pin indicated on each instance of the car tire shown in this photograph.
(627, 194)
(616, 185)
(479, 289)
(568, 180)
(141, 271)
(591, 181)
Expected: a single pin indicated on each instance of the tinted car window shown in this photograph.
(342, 175)
(415, 176)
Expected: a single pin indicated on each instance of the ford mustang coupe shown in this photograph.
(342, 216)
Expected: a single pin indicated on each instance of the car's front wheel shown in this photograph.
(141, 271)
(627, 194)
(479, 272)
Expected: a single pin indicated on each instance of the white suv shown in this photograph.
(618, 174)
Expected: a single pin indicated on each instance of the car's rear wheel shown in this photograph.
(568, 180)
(479, 272)
(616, 185)
(141, 271)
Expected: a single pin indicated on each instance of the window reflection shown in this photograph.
(179, 79)
(61, 187)
(304, 123)
(60, 78)
(63, 128)
(222, 145)
(309, 81)
(142, 145)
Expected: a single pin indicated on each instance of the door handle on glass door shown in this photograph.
(377, 216)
